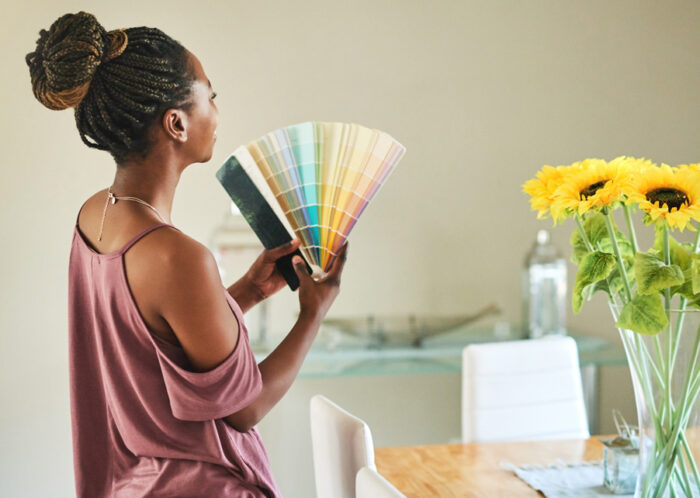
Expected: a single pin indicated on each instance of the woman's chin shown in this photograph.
(211, 149)
(205, 158)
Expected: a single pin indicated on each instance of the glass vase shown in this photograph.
(665, 371)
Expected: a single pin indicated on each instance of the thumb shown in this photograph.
(300, 268)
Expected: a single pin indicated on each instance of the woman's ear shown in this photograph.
(175, 124)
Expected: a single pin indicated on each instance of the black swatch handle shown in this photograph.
(259, 215)
(286, 268)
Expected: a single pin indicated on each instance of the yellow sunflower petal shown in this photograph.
(669, 194)
(542, 187)
(595, 185)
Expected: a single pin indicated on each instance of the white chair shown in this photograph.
(342, 445)
(371, 484)
(522, 390)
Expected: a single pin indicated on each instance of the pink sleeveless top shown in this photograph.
(143, 422)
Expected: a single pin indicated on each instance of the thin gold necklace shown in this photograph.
(113, 198)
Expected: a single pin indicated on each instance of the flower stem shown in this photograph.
(676, 426)
(589, 246)
(683, 303)
(630, 227)
(582, 231)
(691, 459)
(684, 478)
(637, 353)
(669, 341)
(689, 392)
(618, 255)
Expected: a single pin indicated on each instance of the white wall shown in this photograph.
(481, 93)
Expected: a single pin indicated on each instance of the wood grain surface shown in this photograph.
(473, 470)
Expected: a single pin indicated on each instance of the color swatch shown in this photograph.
(319, 177)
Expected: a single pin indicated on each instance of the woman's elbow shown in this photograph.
(243, 420)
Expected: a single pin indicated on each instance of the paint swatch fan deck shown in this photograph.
(312, 181)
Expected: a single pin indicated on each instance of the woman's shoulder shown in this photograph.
(176, 262)
(178, 281)
(171, 246)
(122, 225)
(171, 274)
(88, 209)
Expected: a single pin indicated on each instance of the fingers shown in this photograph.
(333, 276)
(276, 253)
(338, 263)
(300, 269)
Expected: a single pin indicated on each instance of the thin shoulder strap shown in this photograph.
(143, 233)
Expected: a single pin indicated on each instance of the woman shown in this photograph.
(165, 390)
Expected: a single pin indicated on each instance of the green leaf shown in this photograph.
(679, 254)
(595, 266)
(644, 315)
(623, 244)
(601, 285)
(695, 275)
(594, 226)
(694, 302)
(578, 245)
(614, 283)
(597, 232)
(690, 288)
(653, 275)
(617, 283)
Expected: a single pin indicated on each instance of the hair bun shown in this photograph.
(117, 43)
(66, 57)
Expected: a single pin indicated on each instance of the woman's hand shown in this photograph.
(316, 296)
(263, 276)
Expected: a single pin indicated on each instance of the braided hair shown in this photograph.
(119, 82)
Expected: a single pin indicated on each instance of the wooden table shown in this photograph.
(474, 469)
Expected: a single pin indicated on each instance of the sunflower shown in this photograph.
(547, 181)
(694, 167)
(670, 194)
(597, 184)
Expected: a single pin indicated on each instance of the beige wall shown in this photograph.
(481, 93)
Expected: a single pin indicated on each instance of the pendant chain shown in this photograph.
(113, 199)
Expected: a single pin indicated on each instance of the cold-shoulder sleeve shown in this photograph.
(227, 388)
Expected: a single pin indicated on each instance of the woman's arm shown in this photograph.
(278, 370)
(244, 293)
(262, 279)
(281, 367)
(186, 281)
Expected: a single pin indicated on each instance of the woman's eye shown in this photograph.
(213, 96)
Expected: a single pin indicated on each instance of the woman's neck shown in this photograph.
(149, 181)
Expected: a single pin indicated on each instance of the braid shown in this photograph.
(119, 82)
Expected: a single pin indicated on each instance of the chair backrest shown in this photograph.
(522, 390)
(371, 484)
(342, 445)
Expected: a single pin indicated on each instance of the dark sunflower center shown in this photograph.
(592, 189)
(670, 196)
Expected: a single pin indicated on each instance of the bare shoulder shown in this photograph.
(168, 246)
(173, 278)
(175, 266)
(185, 289)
